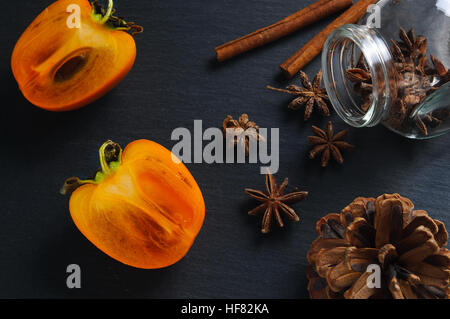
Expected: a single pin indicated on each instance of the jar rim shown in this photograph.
(380, 63)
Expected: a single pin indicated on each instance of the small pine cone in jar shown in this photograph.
(406, 245)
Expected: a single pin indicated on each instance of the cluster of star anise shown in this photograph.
(379, 248)
(416, 80)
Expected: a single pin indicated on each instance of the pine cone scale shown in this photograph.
(357, 259)
(406, 244)
(329, 258)
(340, 277)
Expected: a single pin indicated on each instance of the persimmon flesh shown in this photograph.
(143, 208)
(60, 67)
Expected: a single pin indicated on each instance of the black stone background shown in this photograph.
(174, 81)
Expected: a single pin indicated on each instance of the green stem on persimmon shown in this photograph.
(107, 18)
(110, 155)
(109, 12)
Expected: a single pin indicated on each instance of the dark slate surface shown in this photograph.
(174, 81)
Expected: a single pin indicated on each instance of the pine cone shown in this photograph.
(406, 244)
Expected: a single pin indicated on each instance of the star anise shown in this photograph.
(328, 145)
(360, 75)
(440, 71)
(243, 131)
(416, 76)
(274, 202)
(412, 46)
(310, 95)
(432, 119)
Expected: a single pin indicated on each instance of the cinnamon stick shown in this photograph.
(303, 56)
(296, 21)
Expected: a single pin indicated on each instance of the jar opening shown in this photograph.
(355, 59)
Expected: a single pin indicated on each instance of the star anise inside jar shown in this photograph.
(417, 78)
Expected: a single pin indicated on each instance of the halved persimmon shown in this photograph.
(143, 208)
(61, 67)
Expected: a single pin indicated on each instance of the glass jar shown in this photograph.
(390, 68)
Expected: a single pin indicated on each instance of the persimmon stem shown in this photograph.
(108, 12)
(110, 155)
(73, 183)
(107, 18)
(103, 163)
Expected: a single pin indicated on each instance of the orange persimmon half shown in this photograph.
(143, 208)
(60, 65)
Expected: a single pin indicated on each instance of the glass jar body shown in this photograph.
(391, 68)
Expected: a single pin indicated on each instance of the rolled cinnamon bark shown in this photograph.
(303, 56)
(296, 21)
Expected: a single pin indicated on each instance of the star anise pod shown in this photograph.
(310, 95)
(412, 46)
(415, 75)
(358, 75)
(441, 71)
(275, 202)
(327, 144)
(361, 77)
(444, 79)
(243, 131)
(407, 247)
(432, 119)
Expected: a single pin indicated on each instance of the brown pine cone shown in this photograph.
(406, 244)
